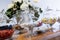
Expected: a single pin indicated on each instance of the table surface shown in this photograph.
(43, 36)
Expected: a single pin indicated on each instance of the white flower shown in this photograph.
(10, 5)
(24, 6)
(35, 1)
(17, 0)
(25, 0)
(29, 3)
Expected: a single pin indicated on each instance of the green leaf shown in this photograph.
(30, 7)
(40, 10)
(36, 14)
(9, 12)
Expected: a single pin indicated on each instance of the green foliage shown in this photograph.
(11, 11)
(31, 8)
(36, 14)
(40, 10)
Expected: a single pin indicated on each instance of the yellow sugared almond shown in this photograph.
(51, 21)
(35, 1)
(44, 20)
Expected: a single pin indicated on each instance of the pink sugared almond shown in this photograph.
(39, 24)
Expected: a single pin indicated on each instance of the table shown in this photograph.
(37, 37)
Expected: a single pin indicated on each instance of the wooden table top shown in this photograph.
(43, 36)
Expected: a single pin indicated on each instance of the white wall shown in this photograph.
(4, 4)
(54, 4)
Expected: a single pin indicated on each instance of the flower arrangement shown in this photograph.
(19, 6)
(13, 8)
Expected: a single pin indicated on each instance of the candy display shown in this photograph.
(52, 21)
(6, 32)
(49, 21)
